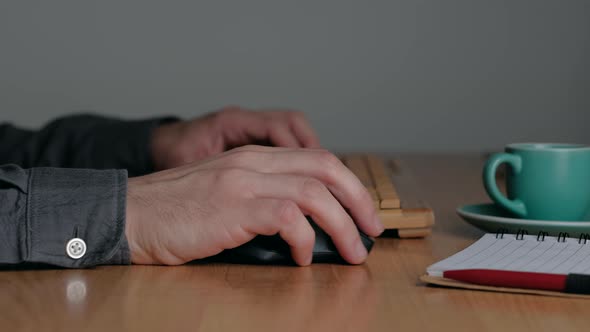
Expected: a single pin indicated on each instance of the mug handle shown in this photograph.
(489, 180)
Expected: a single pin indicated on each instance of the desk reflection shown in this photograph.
(320, 297)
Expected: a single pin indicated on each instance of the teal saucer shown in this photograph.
(490, 218)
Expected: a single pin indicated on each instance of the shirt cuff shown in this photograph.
(65, 204)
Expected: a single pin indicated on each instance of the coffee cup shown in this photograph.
(544, 181)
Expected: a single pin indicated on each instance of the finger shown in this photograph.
(285, 217)
(221, 159)
(321, 165)
(314, 199)
(303, 131)
(316, 163)
(241, 126)
(280, 134)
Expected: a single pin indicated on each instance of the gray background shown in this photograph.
(420, 75)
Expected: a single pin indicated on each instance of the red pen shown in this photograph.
(568, 283)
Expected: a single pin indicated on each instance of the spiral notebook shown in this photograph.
(520, 253)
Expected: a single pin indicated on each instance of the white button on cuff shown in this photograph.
(76, 248)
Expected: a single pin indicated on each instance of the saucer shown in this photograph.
(491, 218)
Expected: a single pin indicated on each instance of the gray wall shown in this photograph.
(417, 75)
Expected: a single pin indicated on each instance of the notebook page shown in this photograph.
(526, 255)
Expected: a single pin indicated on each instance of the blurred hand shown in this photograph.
(198, 210)
(184, 142)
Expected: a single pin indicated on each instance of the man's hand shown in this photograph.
(200, 209)
(184, 142)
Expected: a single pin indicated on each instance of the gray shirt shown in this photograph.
(69, 180)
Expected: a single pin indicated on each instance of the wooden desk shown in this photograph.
(384, 294)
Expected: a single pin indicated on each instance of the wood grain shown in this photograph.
(397, 219)
(358, 165)
(408, 233)
(384, 294)
(388, 196)
(383, 179)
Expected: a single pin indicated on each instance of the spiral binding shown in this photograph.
(561, 237)
(521, 233)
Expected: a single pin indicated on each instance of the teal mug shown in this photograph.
(543, 181)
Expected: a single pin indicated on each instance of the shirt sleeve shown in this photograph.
(82, 141)
(42, 209)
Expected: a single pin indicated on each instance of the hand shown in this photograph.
(184, 142)
(198, 210)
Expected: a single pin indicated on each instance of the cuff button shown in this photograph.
(76, 248)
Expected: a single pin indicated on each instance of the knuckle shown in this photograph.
(288, 213)
(241, 157)
(233, 178)
(341, 228)
(312, 188)
(328, 160)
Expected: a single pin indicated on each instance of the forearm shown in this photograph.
(42, 209)
(82, 141)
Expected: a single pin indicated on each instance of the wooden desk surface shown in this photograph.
(383, 295)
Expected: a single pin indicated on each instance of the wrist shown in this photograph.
(133, 218)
